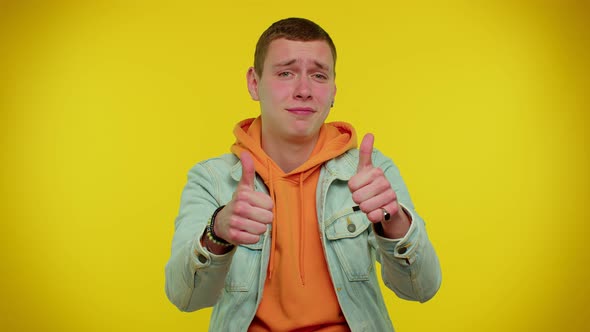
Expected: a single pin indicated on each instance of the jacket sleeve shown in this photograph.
(194, 276)
(410, 266)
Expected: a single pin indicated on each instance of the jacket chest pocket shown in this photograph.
(244, 268)
(349, 237)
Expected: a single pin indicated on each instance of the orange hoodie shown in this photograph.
(292, 301)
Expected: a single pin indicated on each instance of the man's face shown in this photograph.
(295, 90)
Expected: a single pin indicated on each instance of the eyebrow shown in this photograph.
(321, 65)
(285, 63)
(292, 61)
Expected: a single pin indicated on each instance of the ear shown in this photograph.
(334, 95)
(252, 79)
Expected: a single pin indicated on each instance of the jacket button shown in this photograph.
(351, 228)
(402, 250)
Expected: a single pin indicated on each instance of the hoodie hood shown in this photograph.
(334, 139)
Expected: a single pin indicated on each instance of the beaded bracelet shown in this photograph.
(211, 233)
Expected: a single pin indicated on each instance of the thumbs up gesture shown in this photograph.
(373, 193)
(245, 217)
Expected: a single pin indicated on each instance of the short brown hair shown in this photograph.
(293, 28)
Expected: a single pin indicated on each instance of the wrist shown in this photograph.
(211, 236)
(214, 248)
(397, 227)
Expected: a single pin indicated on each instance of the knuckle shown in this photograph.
(260, 230)
(394, 209)
(356, 198)
(234, 221)
(376, 172)
(236, 236)
(240, 208)
(394, 194)
(252, 240)
(267, 218)
(384, 184)
(232, 235)
(390, 195)
(242, 195)
(373, 217)
(363, 206)
(270, 203)
(264, 201)
(352, 184)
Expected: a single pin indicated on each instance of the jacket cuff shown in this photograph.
(202, 258)
(402, 248)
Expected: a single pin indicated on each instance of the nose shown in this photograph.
(303, 89)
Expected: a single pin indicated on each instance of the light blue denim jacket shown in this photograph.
(233, 282)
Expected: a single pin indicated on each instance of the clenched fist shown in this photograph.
(245, 217)
(373, 193)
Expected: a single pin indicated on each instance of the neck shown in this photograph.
(289, 155)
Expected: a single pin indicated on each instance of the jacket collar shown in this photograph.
(342, 167)
(236, 170)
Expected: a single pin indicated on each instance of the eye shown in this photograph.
(320, 76)
(284, 74)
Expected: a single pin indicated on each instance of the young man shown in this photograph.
(283, 234)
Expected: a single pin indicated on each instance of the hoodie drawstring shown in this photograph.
(275, 224)
(302, 232)
(273, 236)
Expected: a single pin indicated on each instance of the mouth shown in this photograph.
(301, 110)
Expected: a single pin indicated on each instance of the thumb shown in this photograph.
(248, 171)
(365, 152)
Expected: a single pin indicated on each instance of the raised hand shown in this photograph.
(373, 193)
(245, 217)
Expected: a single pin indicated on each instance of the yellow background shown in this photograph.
(105, 106)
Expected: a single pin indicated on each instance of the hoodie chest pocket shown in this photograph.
(244, 268)
(349, 238)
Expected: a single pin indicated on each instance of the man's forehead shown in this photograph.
(295, 61)
(283, 52)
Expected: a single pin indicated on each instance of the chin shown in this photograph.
(304, 133)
